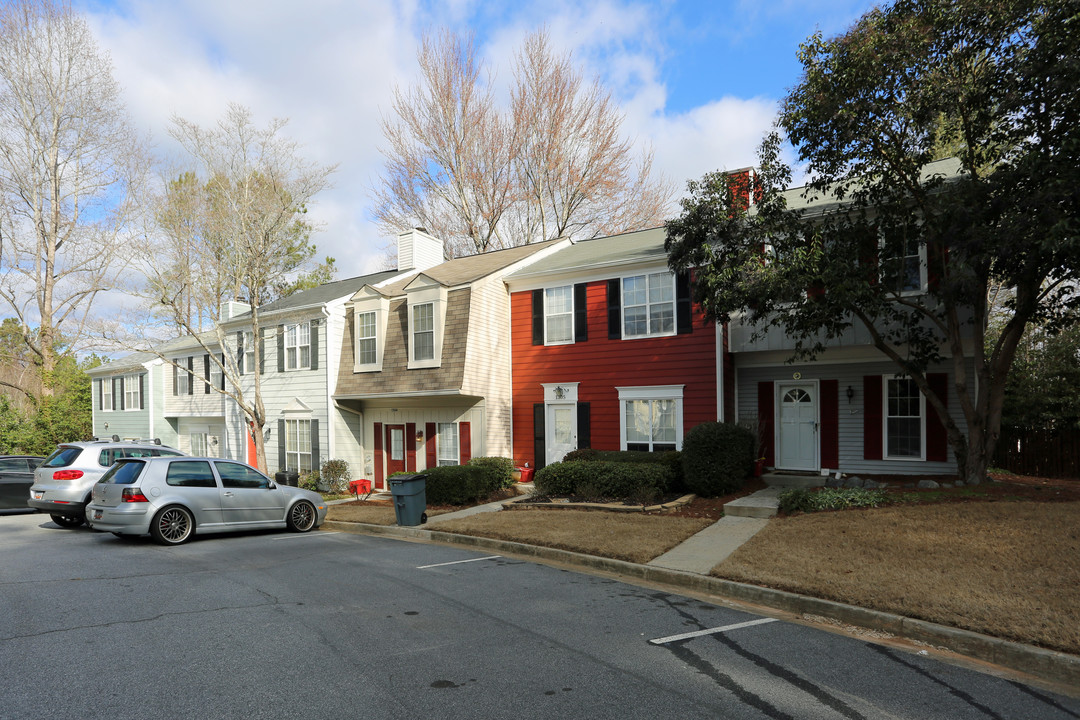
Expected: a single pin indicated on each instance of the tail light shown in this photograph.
(132, 495)
(67, 474)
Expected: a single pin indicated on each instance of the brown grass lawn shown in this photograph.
(1008, 569)
(374, 513)
(635, 537)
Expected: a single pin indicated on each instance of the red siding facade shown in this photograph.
(600, 365)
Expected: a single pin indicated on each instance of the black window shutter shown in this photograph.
(538, 317)
(142, 391)
(222, 371)
(584, 436)
(315, 444)
(262, 352)
(118, 383)
(314, 345)
(581, 314)
(281, 348)
(539, 442)
(191, 375)
(240, 351)
(100, 399)
(281, 444)
(206, 374)
(683, 319)
(614, 310)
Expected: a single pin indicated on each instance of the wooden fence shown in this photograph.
(1051, 453)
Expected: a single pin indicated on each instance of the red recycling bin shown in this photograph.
(526, 474)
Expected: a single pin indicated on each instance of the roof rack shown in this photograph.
(139, 441)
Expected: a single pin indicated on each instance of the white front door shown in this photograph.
(561, 431)
(797, 436)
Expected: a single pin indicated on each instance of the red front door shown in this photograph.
(395, 449)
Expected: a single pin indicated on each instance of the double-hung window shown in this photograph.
(298, 346)
(904, 426)
(183, 377)
(131, 392)
(298, 445)
(366, 340)
(423, 331)
(559, 315)
(448, 453)
(904, 260)
(249, 352)
(106, 394)
(651, 417)
(648, 303)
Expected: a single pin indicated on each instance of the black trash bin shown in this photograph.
(410, 498)
(290, 477)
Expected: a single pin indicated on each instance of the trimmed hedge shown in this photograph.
(460, 484)
(639, 482)
(717, 458)
(500, 470)
(670, 459)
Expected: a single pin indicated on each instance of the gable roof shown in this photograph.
(317, 296)
(640, 246)
(468, 269)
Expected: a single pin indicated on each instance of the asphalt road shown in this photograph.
(333, 625)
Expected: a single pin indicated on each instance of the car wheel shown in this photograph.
(67, 521)
(301, 517)
(172, 526)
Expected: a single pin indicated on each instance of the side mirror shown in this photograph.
(271, 486)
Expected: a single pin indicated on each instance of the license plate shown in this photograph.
(97, 514)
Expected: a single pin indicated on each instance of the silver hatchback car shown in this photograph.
(172, 498)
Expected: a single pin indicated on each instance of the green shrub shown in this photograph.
(309, 480)
(717, 458)
(640, 482)
(803, 500)
(335, 473)
(460, 484)
(671, 459)
(500, 470)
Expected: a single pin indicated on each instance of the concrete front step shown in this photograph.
(789, 480)
(762, 504)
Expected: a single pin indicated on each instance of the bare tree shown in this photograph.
(450, 152)
(484, 177)
(233, 229)
(70, 162)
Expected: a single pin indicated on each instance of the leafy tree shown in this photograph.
(992, 80)
(1043, 391)
(484, 177)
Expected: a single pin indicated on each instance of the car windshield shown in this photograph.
(124, 472)
(62, 456)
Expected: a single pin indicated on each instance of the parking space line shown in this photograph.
(458, 562)
(297, 536)
(710, 631)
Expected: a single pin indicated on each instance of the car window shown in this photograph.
(109, 456)
(123, 472)
(166, 453)
(190, 473)
(13, 465)
(235, 475)
(139, 452)
(62, 457)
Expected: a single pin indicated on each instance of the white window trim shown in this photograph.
(134, 380)
(296, 329)
(107, 383)
(437, 296)
(885, 425)
(674, 306)
(924, 270)
(439, 445)
(249, 352)
(297, 452)
(184, 378)
(652, 392)
(381, 307)
(569, 341)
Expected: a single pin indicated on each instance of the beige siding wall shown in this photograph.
(474, 415)
(487, 361)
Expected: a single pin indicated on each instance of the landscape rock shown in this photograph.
(854, 482)
(928, 485)
(834, 482)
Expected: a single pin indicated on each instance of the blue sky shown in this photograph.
(698, 81)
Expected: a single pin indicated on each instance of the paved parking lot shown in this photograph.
(275, 625)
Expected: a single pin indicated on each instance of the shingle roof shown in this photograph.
(462, 271)
(319, 295)
(631, 247)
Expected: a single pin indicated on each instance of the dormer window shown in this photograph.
(370, 313)
(423, 332)
(366, 339)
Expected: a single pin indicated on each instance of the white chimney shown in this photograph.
(416, 250)
(231, 309)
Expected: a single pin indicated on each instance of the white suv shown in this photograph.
(63, 482)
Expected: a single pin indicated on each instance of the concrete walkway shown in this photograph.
(701, 552)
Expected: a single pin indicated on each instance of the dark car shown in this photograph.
(16, 477)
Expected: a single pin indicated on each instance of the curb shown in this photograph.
(1045, 664)
(525, 504)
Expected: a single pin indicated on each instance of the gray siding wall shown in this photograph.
(850, 414)
(127, 423)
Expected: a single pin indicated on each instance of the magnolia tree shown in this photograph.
(991, 83)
